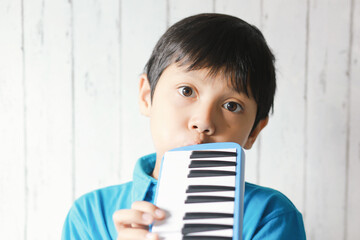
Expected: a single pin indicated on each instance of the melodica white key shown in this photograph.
(201, 188)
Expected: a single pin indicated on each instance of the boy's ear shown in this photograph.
(144, 95)
(253, 135)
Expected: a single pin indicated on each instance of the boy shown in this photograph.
(210, 78)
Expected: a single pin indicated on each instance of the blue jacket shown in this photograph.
(268, 214)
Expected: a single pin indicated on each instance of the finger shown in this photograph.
(134, 225)
(157, 213)
(136, 234)
(125, 217)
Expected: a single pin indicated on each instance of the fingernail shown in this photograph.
(150, 236)
(159, 213)
(147, 218)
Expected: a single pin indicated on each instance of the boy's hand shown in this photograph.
(134, 223)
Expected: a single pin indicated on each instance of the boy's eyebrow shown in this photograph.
(231, 73)
(193, 75)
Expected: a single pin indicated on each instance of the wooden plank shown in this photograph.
(12, 142)
(249, 11)
(47, 48)
(185, 8)
(282, 151)
(353, 190)
(326, 121)
(96, 94)
(142, 24)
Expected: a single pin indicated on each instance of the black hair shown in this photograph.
(223, 44)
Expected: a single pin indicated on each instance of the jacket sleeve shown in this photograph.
(282, 227)
(75, 226)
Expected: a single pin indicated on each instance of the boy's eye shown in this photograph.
(233, 107)
(186, 91)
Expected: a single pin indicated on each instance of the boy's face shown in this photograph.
(189, 107)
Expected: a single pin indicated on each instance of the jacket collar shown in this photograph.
(144, 186)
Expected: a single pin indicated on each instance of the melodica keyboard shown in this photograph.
(201, 188)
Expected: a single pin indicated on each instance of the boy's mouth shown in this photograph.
(194, 142)
(199, 139)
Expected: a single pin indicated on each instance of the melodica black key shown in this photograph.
(194, 228)
(210, 163)
(207, 199)
(210, 173)
(197, 237)
(208, 188)
(206, 215)
(201, 187)
(211, 154)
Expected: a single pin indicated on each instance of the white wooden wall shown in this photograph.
(69, 120)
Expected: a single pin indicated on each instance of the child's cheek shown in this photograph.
(181, 101)
(177, 112)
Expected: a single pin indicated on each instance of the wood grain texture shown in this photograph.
(326, 119)
(13, 211)
(96, 94)
(47, 83)
(181, 9)
(352, 230)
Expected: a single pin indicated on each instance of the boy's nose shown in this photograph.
(207, 130)
(203, 122)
